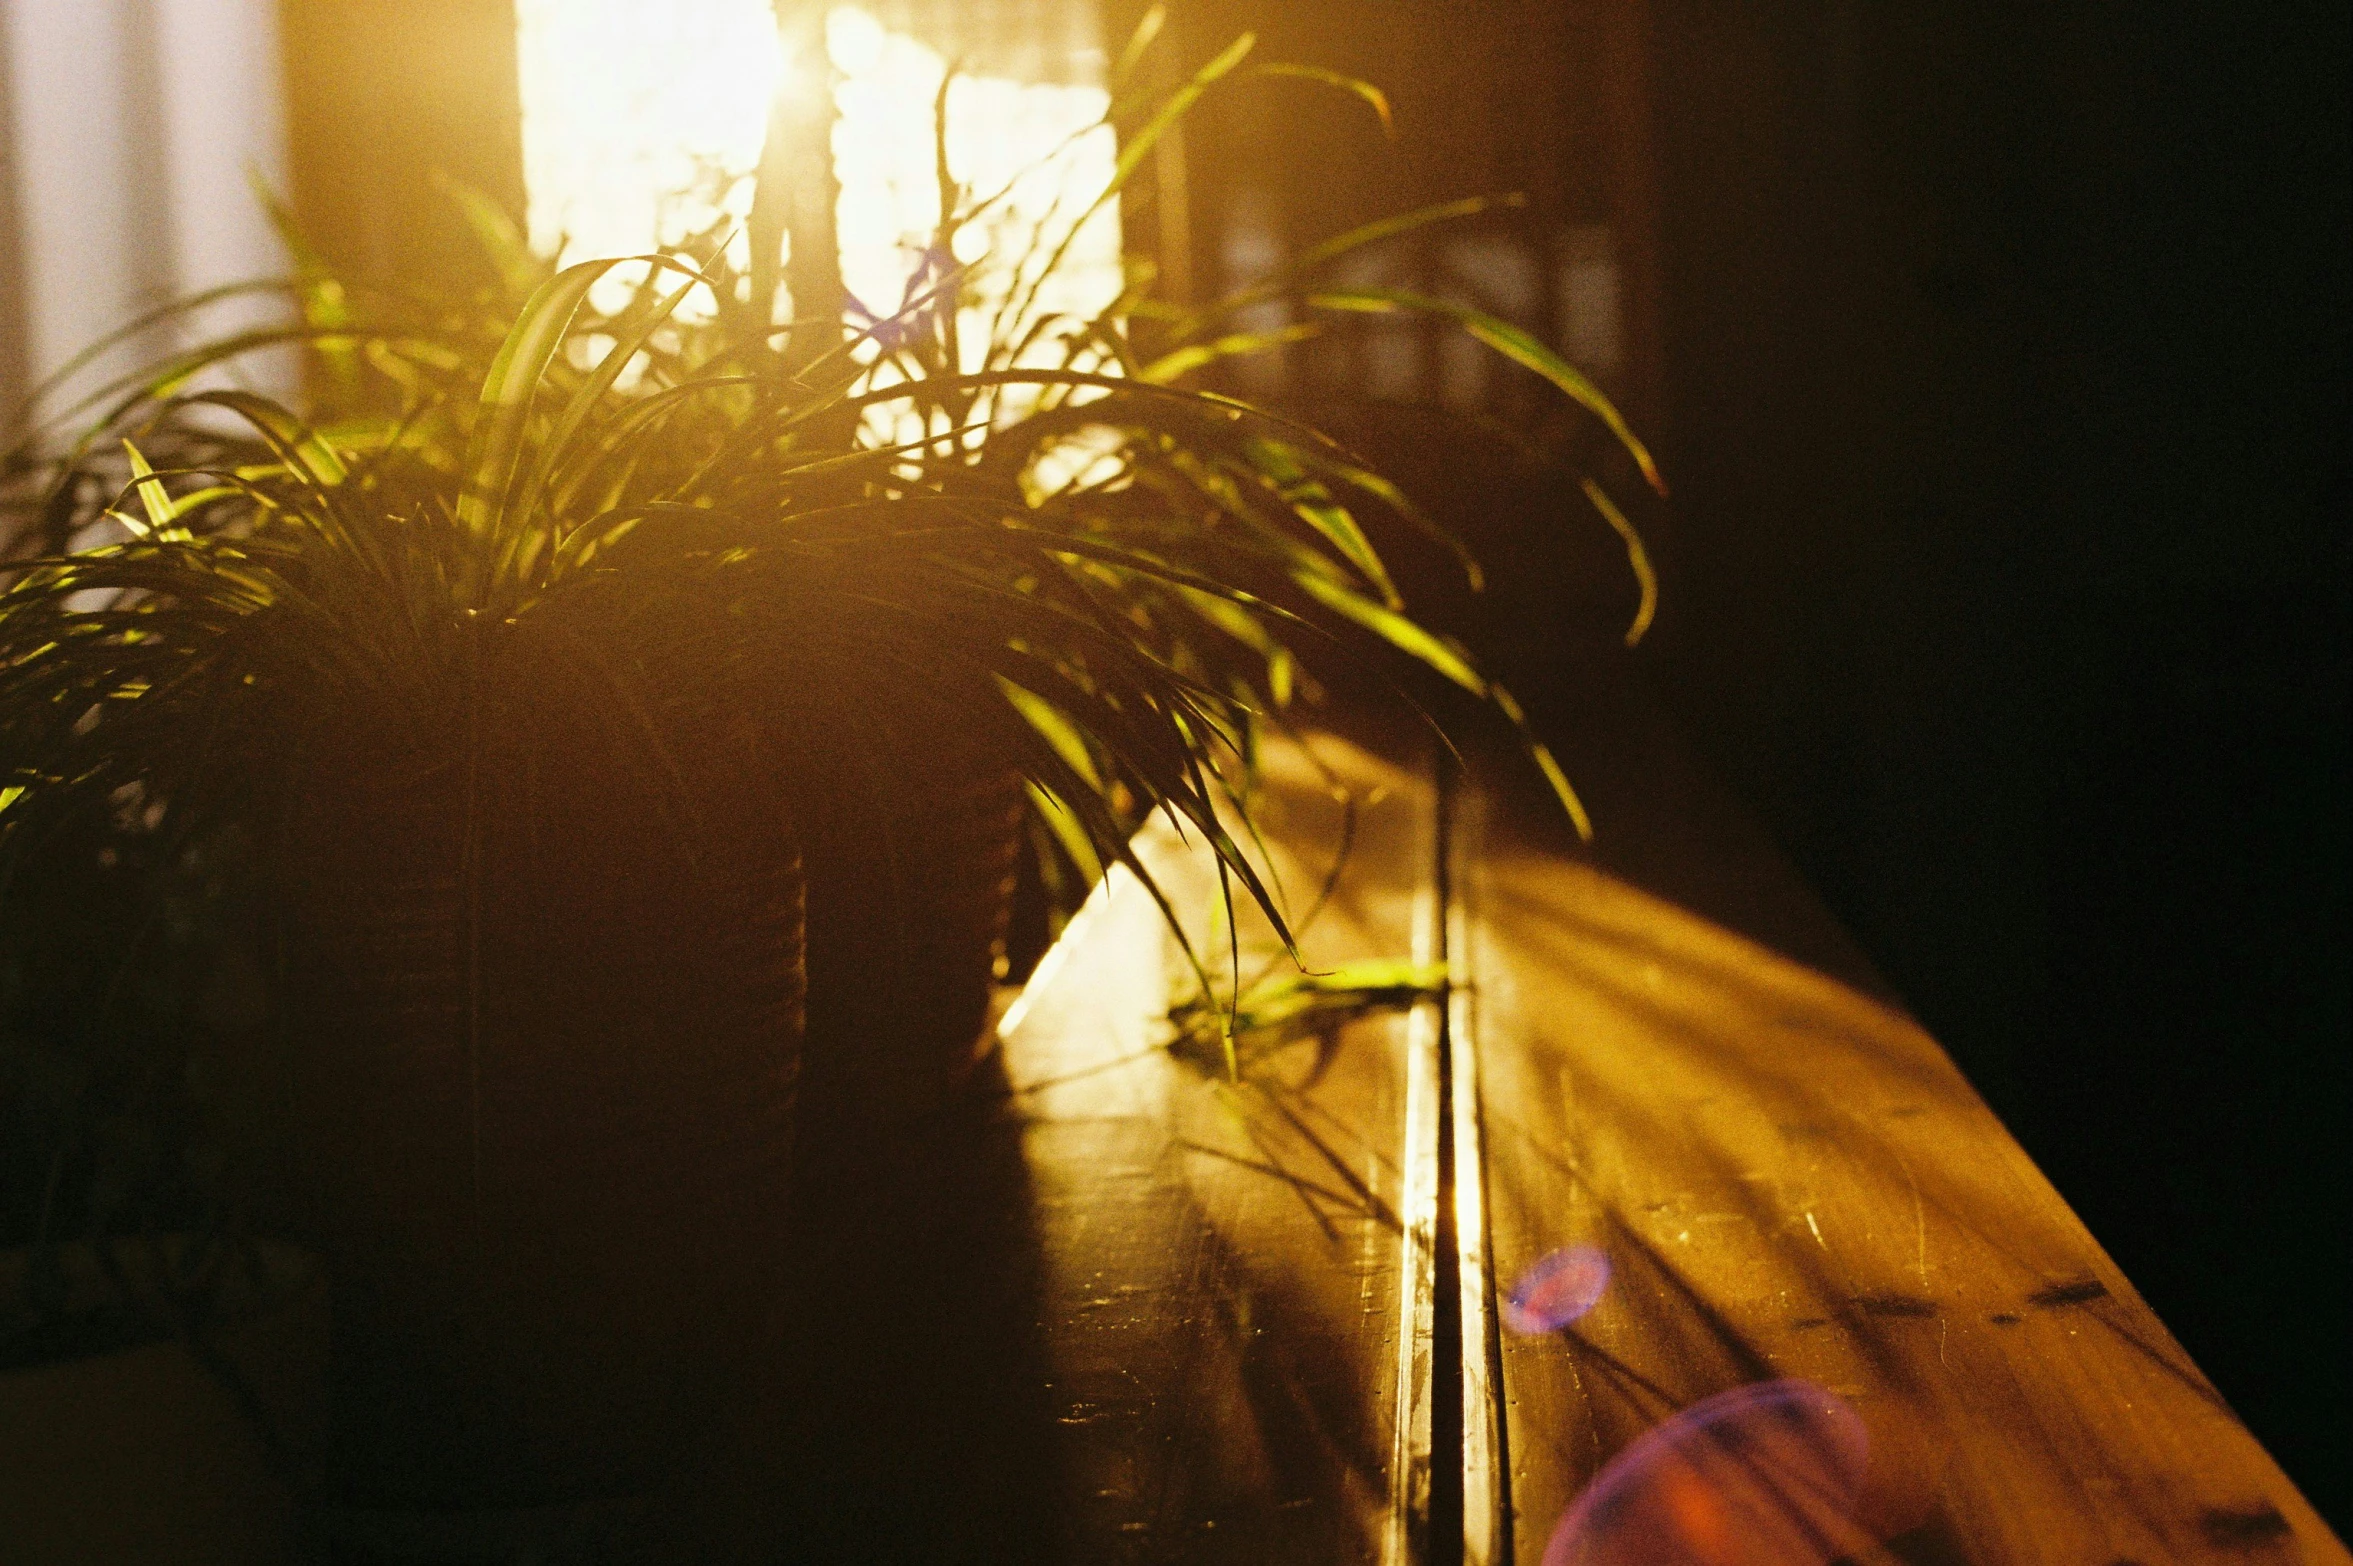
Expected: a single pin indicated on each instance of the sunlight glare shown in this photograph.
(626, 104)
(631, 108)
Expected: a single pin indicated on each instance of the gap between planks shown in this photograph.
(1449, 1499)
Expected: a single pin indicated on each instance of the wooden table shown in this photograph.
(1789, 1178)
(1153, 1313)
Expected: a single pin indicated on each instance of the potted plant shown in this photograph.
(538, 963)
(550, 706)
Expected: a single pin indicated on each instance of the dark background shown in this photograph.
(1995, 354)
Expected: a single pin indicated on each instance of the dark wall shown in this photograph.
(2004, 348)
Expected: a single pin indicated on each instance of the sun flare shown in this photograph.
(637, 112)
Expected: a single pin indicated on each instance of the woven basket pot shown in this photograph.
(911, 861)
(545, 1015)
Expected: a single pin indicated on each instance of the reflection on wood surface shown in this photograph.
(1805, 1299)
(1791, 1180)
(1221, 1292)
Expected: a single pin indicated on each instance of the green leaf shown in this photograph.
(304, 452)
(1288, 1007)
(1054, 726)
(317, 290)
(1541, 754)
(162, 517)
(1399, 632)
(1133, 151)
(1400, 223)
(1172, 109)
(519, 267)
(1314, 505)
(496, 448)
(1068, 834)
(1231, 618)
(1403, 506)
(1520, 347)
(640, 420)
(589, 393)
(1282, 677)
(1375, 973)
(1139, 44)
(1354, 86)
(1177, 399)
(1329, 250)
(1184, 361)
(135, 327)
(1637, 558)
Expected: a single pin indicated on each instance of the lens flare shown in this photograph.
(1557, 1290)
(1762, 1475)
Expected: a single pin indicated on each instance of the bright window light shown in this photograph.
(630, 107)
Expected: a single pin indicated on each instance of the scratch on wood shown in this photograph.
(1919, 1208)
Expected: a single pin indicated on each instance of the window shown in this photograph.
(636, 116)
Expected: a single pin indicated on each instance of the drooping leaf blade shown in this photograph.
(1521, 347)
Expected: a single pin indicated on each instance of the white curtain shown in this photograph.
(127, 133)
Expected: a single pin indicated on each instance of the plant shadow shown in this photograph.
(904, 1413)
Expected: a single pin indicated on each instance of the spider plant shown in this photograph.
(623, 513)
(1114, 574)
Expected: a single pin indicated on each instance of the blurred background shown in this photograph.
(1995, 355)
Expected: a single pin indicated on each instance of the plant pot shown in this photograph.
(544, 1082)
(910, 890)
(911, 811)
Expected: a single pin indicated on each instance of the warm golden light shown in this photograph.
(630, 106)
(626, 102)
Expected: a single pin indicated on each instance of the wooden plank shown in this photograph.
(1117, 1307)
(1222, 1292)
(1790, 1179)
(1413, 1409)
(1486, 1487)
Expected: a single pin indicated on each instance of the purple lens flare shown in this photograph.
(1557, 1290)
(1763, 1475)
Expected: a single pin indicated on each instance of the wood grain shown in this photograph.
(1791, 1180)
(1222, 1289)
(1119, 1307)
